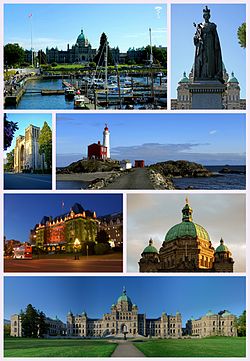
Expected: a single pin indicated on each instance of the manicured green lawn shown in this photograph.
(205, 347)
(23, 347)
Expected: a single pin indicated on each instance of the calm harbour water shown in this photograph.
(38, 101)
(221, 182)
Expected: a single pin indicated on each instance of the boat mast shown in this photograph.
(106, 65)
(151, 50)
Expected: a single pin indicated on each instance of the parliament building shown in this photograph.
(124, 318)
(187, 248)
(231, 98)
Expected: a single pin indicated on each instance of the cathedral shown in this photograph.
(231, 98)
(26, 152)
(187, 248)
(124, 319)
(81, 52)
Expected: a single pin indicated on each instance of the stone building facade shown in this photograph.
(60, 233)
(124, 318)
(26, 151)
(231, 97)
(81, 52)
(112, 224)
(187, 248)
(55, 326)
(212, 324)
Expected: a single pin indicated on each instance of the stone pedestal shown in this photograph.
(206, 94)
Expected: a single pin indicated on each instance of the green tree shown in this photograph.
(30, 321)
(9, 166)
(41, 57)
(240, 324)
(102, 236)
(42, 325)
(9, 130)
(13, 54)
(45, 144)
(6, 329)
(241, 33)
(100, 56)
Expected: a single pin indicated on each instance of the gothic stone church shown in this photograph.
(187, 248)
(124, 318)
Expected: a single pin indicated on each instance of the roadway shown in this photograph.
(27, 181)
(106, 263)
(137, 179)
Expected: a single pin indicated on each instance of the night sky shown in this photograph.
(192, 296)
(24, 211)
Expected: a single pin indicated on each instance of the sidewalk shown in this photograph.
(126, 349)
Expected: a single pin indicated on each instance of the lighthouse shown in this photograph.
(106, 143)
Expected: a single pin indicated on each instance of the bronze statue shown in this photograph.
(208, 59)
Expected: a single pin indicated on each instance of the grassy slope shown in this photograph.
(17, 347)
(206, 347)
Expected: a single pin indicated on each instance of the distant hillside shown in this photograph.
(90, 166)
(6, 322)
(180, 168)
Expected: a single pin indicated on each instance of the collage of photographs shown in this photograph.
(124, 124)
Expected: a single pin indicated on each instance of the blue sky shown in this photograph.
(24, 120)
(227, 17)
(192, 296)
(206, 138)
(26, 210)
(57, 25)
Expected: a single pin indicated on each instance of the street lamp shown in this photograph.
(77, 246)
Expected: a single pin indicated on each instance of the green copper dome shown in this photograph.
(187, 228)
(150, 248)
(226, 313)
(124, 297)
(233, 79)
(222, 247)
(81, 37)
(209, 313)
(184, 79)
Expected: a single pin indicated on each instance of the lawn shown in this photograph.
(23, 347)
(204, 347)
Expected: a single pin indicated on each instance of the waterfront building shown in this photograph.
(26, 152)
(100, 151)
(55, 326)
(60, 233)
(80, 52)
(212, 324)
(124, 317)
(112, 224)
(187, 248)
(231, 97)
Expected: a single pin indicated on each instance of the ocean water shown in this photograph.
(218, 182)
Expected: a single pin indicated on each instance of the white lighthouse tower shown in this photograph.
(106, 142)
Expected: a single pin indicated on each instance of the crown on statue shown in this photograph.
(206, 10)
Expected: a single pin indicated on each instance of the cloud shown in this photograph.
(156, 152)
(213, 132)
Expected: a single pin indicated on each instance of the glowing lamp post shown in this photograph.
(77, 246)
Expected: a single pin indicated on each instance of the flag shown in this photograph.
(62, 204)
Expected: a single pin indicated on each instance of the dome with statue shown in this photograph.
(187, 228)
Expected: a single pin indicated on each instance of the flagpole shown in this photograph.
(31, 39)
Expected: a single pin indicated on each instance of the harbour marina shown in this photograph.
(146, 91)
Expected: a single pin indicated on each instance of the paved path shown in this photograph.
(127, 349)
(27, 181)
(137, 179)
(106, 263)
